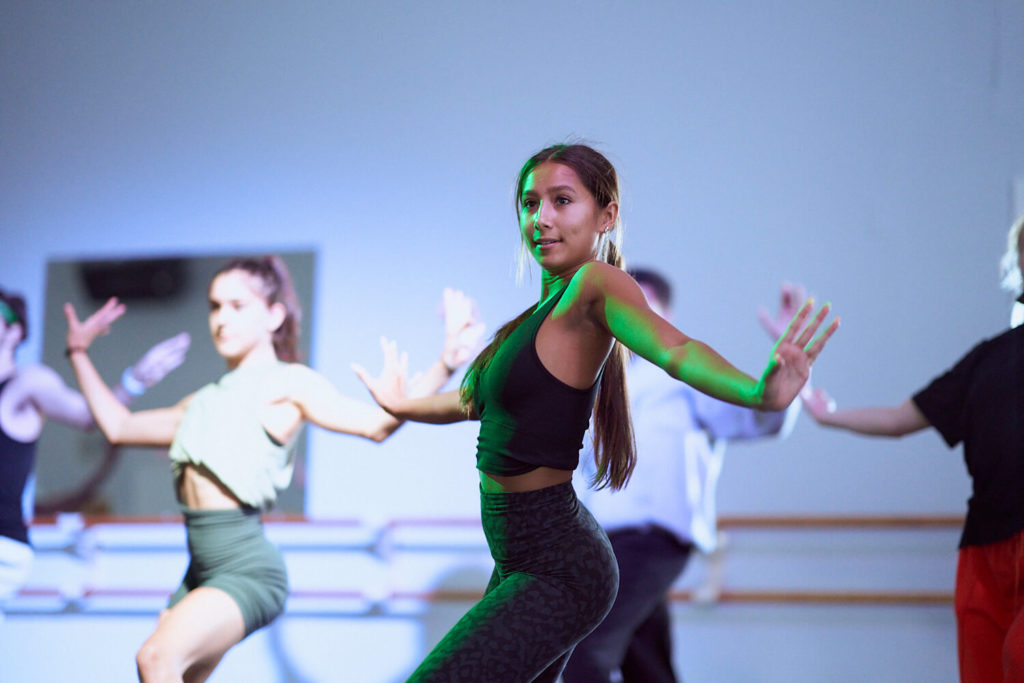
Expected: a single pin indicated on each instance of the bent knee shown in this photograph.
(155, 662)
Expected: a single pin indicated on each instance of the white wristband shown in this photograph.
(132, 384)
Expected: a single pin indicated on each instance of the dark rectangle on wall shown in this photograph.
(134, 279)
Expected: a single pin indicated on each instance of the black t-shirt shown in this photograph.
(980, 402)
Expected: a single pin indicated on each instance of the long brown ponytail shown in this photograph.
(614, 445)
(276, 288)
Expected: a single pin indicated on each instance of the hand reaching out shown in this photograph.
(158, 362)
(818, 403)
(791, 298)
(387, 388)
(792, 357)
(81, 334)
(462, 328)
(463, 331)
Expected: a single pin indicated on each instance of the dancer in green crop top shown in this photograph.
(231, 452)
(531, 388)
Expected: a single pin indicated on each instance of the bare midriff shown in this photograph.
(540, 478)
(199, 489)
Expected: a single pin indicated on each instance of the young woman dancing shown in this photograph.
(533, 390)
(231, 451)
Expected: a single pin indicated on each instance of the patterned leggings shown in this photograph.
(554, 579)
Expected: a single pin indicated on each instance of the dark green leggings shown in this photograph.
(554, 579)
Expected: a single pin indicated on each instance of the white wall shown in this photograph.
(865, 149)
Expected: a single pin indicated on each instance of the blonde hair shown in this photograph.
(1009, 267)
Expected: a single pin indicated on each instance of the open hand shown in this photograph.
(462, 328)
(792, 357)
(818, 403)
(387, 388)
(81, 334)
(156, 363)
(791, 298)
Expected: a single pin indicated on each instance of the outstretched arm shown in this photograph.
(388, 390)
(320, 403)
(898, 420)
(419, 403)
(53, 399)
(118, 424)
(620, 307)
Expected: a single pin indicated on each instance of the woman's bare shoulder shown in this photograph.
(598, 279)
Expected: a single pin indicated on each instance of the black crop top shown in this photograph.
(528, 417)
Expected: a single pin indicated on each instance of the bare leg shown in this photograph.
(191, 637)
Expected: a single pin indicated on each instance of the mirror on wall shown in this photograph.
(164, 295)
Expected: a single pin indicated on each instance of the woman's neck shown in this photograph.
(260, 355)
(552, 283)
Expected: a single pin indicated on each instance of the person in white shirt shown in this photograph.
(667, 509)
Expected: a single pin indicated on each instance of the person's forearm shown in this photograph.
(388, 425)
(434, 409)
(876, 420)
(106, 409)
(704, 369)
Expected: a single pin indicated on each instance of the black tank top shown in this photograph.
(528, 417)
(16, 461)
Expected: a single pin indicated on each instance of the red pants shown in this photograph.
(990, 611)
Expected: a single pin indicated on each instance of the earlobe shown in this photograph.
(611, 215)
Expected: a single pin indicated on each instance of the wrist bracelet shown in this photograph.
(73, 349)
(132, 384)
